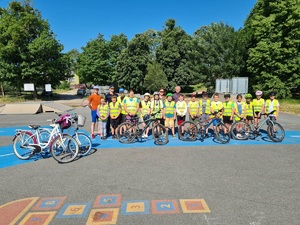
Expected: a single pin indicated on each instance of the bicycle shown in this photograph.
(190, 131)
(128, 132)
(242, 131)
(83, 140)
(27, 143)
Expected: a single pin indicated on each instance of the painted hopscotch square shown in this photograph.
(165, 207)
(74, 210)
(103, 216)
(37, 218)
(47, 204)
(194, 206)
(137, 207)
(106, 201)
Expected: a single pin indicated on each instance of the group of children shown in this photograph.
(167, 111)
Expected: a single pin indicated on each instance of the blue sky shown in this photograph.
(76, 22)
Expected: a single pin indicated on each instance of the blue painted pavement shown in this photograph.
(7, 157)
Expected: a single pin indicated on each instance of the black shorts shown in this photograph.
(114, 123)
(226, 119)
(256, 115)
(122, 118)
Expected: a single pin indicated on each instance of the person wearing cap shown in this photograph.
(170, 113)
(249, 108)
(181, 110)
(131, 106)
(145, 112)
(108, 100)
(228, 111)
(258, 107)
(120, 99)
(157, 107)
(204, 107)
(239, 112)
(271, 105)
(93, 103)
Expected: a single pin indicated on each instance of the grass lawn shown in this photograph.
(290, 106)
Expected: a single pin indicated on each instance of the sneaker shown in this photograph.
(93, 135)
(206, 135)
(143, 136)
(173, 135)
(239, 136)
(114, 137)
(146, 135)
(104, 137)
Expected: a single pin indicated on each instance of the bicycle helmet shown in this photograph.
(248, 95)
(147, 94)
(227, 96)
(155, 93)
(258, 93)
(121, 90)
(272, 93)
(169, 94)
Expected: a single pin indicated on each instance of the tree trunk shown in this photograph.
(2, 90)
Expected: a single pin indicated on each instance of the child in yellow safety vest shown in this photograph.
(145, 112)
(157, 107)
(131, 106)
(193, 108)
(103, 113)
(228, 111)
(121, 99)
(170, 113)
(239, 112)
(216, 108)
(258, 107)
(271, 105)
(204, 107)
(249, 108)
(115, 111)
(181, 109)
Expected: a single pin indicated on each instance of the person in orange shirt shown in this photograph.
(93, 103)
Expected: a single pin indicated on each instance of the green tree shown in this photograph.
(132, 63)
(29, 51)
(93, 63)
(173, 54)
(155, 77)
(116, 44)
(273, 61)
(219, 53)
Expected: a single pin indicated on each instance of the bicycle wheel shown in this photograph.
(222, 133)
(84, 143)
(188, 131)
(64, 148)
(126, 133)
(276, 132)
(240, 130)
(160, 134)
(22, 145)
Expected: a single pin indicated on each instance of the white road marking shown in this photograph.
(295, 136)
(6, 154)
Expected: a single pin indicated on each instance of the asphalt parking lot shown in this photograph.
(252, 183)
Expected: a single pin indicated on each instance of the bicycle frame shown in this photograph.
(36, 137)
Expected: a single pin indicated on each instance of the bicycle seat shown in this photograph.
(34, 126)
